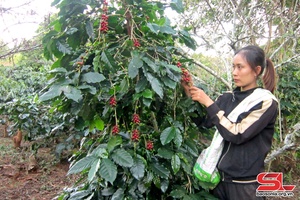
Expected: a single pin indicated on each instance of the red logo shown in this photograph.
(272, 181)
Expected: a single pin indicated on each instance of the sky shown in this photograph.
(19, 23)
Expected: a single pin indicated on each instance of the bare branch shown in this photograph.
(289, 144)
(278, 48)
(287, 61)
(19, 49)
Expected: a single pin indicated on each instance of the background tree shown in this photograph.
(19, 19)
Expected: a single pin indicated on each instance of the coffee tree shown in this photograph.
(117, 73)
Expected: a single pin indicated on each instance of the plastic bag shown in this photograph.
(205, 168)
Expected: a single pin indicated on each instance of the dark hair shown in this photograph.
(255, 56)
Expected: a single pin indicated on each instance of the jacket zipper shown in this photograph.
(222, 159)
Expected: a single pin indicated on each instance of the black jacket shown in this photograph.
(247, 141)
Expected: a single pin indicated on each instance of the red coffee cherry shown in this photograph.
(136, 119)
(113, 101)
(115, 130)
(135, 135)
(149, 145)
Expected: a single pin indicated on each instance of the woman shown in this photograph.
(248, 136)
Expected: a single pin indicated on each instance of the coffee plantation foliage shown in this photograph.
(117, 71)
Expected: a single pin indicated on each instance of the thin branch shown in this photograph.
(19, 50)
(287, 61)
(289, 144)
(279, 48)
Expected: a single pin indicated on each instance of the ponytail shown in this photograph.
(269, 77)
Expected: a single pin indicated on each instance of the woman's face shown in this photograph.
(243, 75)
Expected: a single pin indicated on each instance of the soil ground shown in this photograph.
(24, 177)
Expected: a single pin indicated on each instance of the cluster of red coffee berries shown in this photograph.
(113, 101)
(115, 130)
(136, 43)
(186, 77)
(104, 24)
(179, 64)
(136, 119)
(135, 135)
(149, 145)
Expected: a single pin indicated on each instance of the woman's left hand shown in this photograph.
(200, 96)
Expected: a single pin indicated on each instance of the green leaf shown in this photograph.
(100, 151)
(183, 157)
(113, 142)
(173, 67)
(155, 84)
(160, 170)
(124, 86)
(147, 94)
(168, 30)
(178, 193)
(163, 29)
(107, 191)
(138, 168)
(175, 163)
(192, 197)
(82, 164)
(122, 158)
(188, 41)
(63, 47)
(90, 30)
(151, 64)
(178, 139)
(192, 147)
(168, 135)
(134, 65)
(177, 5)
(109, 60)
(175, 76)
(96, 62)
(71, 31)
(79, 195)
(72, 93)
(90, 88)
(165, 153)
(169, 83)
(93, 77)
(164, 185)
(53, 92)
(58, 70)
(94, 168)
(153, 27)
(141, 85)
(147, 102)
(99, 123)
(119, 194)
(108, 170)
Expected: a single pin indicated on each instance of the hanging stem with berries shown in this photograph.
(103, 27)
(113, 104)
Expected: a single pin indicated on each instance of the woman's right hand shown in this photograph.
(187, 85)
(199, 95)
